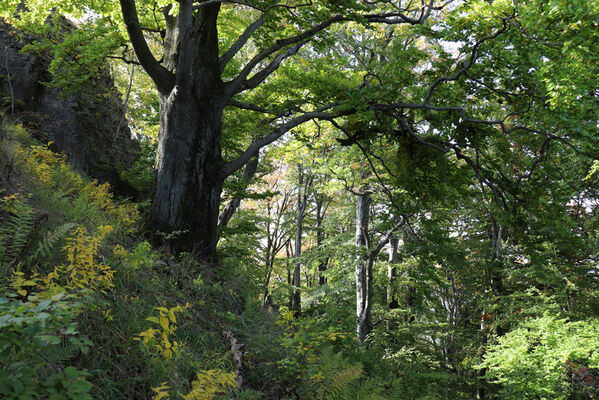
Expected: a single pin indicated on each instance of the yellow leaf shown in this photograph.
(171, 316)
(164, 322)
(22, 292)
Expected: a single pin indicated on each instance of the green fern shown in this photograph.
(15, 233)
(335, 377)
(61, 353)
(369, 389)
(343, 381)
(46, 248)
(249, 394)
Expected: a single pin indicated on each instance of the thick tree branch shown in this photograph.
(240, 42)
(240, 2)
(279, 131)
(239, 84)
(255, 7)
(186, 45)
(248, 174)
(163, 78)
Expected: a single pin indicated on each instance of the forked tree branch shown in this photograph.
(240, 42)
(162, 77)
(276, 133)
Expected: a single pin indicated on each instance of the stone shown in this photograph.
(82, 125)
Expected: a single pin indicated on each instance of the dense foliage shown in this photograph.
(408, 208)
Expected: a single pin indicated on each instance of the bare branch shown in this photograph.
(124, 59)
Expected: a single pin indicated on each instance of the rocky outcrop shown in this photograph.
(82, 125)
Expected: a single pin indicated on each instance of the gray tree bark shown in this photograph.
(190, 170)
(363, 269)
(392, 302)
(303, 185)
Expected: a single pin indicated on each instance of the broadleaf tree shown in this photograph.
(197, 77)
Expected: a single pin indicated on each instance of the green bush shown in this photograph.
(547, 358)
(38, 337)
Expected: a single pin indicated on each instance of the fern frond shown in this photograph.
(336, 376)
(60, 353)
(14, 233)
(45, 248)
(369, 388)
(249, 394)
(342, 381)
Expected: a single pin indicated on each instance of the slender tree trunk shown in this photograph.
(267, 260)
(496, 270)
(125, 104)
(289, 253)
(229, 210)
(496, 286)
(363, 267)
(392, 302)
(302, 200)
(297, 301)
(320, 213)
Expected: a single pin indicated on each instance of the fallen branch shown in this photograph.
(236, 350)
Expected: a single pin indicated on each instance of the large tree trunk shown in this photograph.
(191, 171)
(188, 187)
(188, 178)
(363, 269)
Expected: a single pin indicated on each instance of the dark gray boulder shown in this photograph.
(83, 125)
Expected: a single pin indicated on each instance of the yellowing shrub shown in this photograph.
(83, 270)
(158, 340)
(211, 383)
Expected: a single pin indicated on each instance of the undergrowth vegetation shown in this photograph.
(89, 310)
